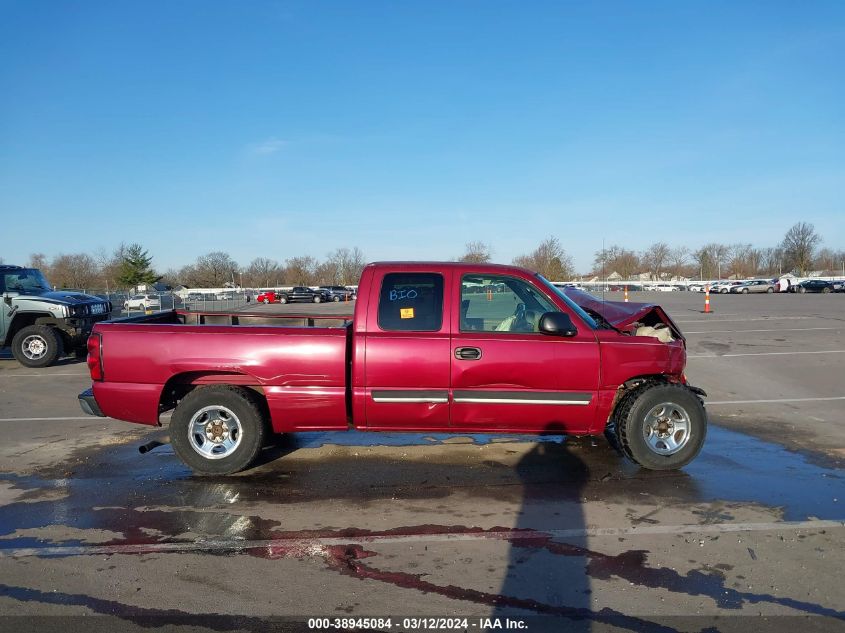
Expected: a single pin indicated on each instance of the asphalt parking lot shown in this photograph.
(558, 534)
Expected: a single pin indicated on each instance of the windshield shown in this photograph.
(26, 280)
(574, 306)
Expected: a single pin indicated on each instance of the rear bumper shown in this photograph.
(89, 403)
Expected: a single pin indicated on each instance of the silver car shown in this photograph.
(755, 285)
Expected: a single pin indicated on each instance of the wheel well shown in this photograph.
(180, 385)
(22, 320)
(632, 383)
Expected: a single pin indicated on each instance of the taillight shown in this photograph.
(95, 356)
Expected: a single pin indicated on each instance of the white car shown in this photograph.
(696, 287)
(723, 287)
(142, 302)
(661, 287)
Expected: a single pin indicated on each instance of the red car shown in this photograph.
(426, 351)
(271, 296)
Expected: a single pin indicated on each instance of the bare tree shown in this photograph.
(738, 256)
(549, 259)
(616, 259)
(213, 270)
(771, 260)
(655, 258)
(171, 278)
(301, 271)
(77, 271)
(677, 259)
(110, 265)
(262, 272)
(829, 260)
(710, 259)
(799, 245)
(346, 264)
(476, 253)
(39, 261)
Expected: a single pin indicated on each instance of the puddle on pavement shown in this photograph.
(149, 498)
(154, 498)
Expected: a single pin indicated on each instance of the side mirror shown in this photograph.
(557, 324)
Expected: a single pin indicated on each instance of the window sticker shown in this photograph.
(406, 313)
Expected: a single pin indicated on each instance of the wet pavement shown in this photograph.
(559, 532)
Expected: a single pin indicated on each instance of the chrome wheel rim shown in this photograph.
(34, 347)
(215, 432)
(666, 428)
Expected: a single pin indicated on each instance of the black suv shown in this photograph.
(339, 293)
(301, 293)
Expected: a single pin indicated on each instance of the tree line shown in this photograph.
(797, 253)
(130, 265)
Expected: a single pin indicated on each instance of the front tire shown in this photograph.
(825, 290)
(283, 299)
(745, 291)
(336, 298)
(769, 290)
(218, 430)
(661, 426)
(317, 299)
(37, 346)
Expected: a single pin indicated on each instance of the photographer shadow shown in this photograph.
(546, 579)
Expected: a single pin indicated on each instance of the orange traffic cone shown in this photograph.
(707, 299)
(626, 294)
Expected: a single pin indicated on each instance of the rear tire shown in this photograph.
(283, 299)
(745, 291)
(825, 290)
(336, 299)
(770, 290)
(661, 426)
(317, 299)
(218, 430)
(37, 346)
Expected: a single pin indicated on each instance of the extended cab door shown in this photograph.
(407, 351)
(506, 375)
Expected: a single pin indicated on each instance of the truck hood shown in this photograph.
(64, 297)
(623, 315)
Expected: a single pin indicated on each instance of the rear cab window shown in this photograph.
(411, 302)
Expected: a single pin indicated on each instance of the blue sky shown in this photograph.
(409, 128)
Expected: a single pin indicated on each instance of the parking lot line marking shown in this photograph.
(782, 329)
(773, 318)
(312, 546)
(709, 403)
(64, 419)
(829, 351)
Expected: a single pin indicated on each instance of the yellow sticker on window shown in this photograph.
(406, 313)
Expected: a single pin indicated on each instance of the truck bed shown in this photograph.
(299, 367)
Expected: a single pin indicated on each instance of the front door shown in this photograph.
(506, 375)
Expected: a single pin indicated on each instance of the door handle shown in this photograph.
(467, 353)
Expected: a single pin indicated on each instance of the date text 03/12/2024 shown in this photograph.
(417, 624)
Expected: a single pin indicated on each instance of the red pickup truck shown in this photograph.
(432, 347)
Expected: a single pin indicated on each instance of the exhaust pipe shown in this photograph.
(146, 448)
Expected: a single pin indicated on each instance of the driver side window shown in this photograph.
(498, 303)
